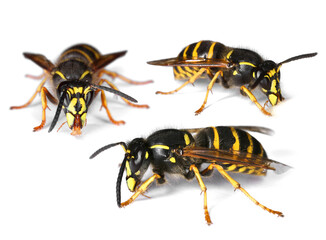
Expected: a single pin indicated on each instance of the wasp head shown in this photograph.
(269, 75)
(137, 162)
(75, 105)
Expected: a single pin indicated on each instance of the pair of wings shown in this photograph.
(212, 155)
(199, 62)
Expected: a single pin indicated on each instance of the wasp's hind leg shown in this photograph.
(236, 186)
(114, 75)
(209, 88)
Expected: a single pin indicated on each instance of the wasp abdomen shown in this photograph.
(82, 52)
(232, 139)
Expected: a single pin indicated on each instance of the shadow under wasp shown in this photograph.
(231, 67)
(185, 152)
(76, 79)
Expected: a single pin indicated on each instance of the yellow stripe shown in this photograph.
(242, 169)
(216, 142)
(236, 145)
(160, 146)
(97, 55)
(194, 53)
(229, 54)
(250, 148)
(185, 52)
(232, 167)
(187, 139)
(172, 160)
(211, 50)
(78, 90)
(79, 51)
(247, 63)
(60, 74)
(83, 75)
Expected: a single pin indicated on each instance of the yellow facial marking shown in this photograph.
(273, 99)
(60, 74)
(271, 73)
(83, 119)
(131, 182)
(128, 169)
(83, 75)
(273, 87)
(235, 72)
(78, 90)
(146, 155)
(87, 90)
(70, 119)
(138, 172)
(172, 160)
(83, 104)
(187, 139)
(160, 146)
(72, 104)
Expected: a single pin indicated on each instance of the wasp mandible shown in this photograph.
(184, 152)
(75, 79)
(230, 67)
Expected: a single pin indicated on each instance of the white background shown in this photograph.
(49, 189)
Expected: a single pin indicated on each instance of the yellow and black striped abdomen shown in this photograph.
(198, 50)
(82, 52)
(229, 138)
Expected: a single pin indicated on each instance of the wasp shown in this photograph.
(194, 153)
(75, 79)
(230, 67)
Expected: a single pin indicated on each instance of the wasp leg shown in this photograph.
(104, 104)
(203, 189)
(141, 189)
(209, 87)
(114, 75)
(44, 94)
(191, 80)
(36, 77)
(38, 90)
(128, 102)
(236, 185)
(243, 89)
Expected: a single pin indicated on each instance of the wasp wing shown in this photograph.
(200, 62)
(262, 130)
(212, 155)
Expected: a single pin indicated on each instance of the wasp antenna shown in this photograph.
(121, 94)
(308, 55)
(118, 186)
(57, 113)
(124, 146)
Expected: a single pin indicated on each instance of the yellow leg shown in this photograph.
(44, 94)
(116, 75)
(38, 90)
(236, 185)
(191, 80)
(128, 102)
(203, 189)
(209, 87)
(254, 100)
(105, 105)
(140, 190)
